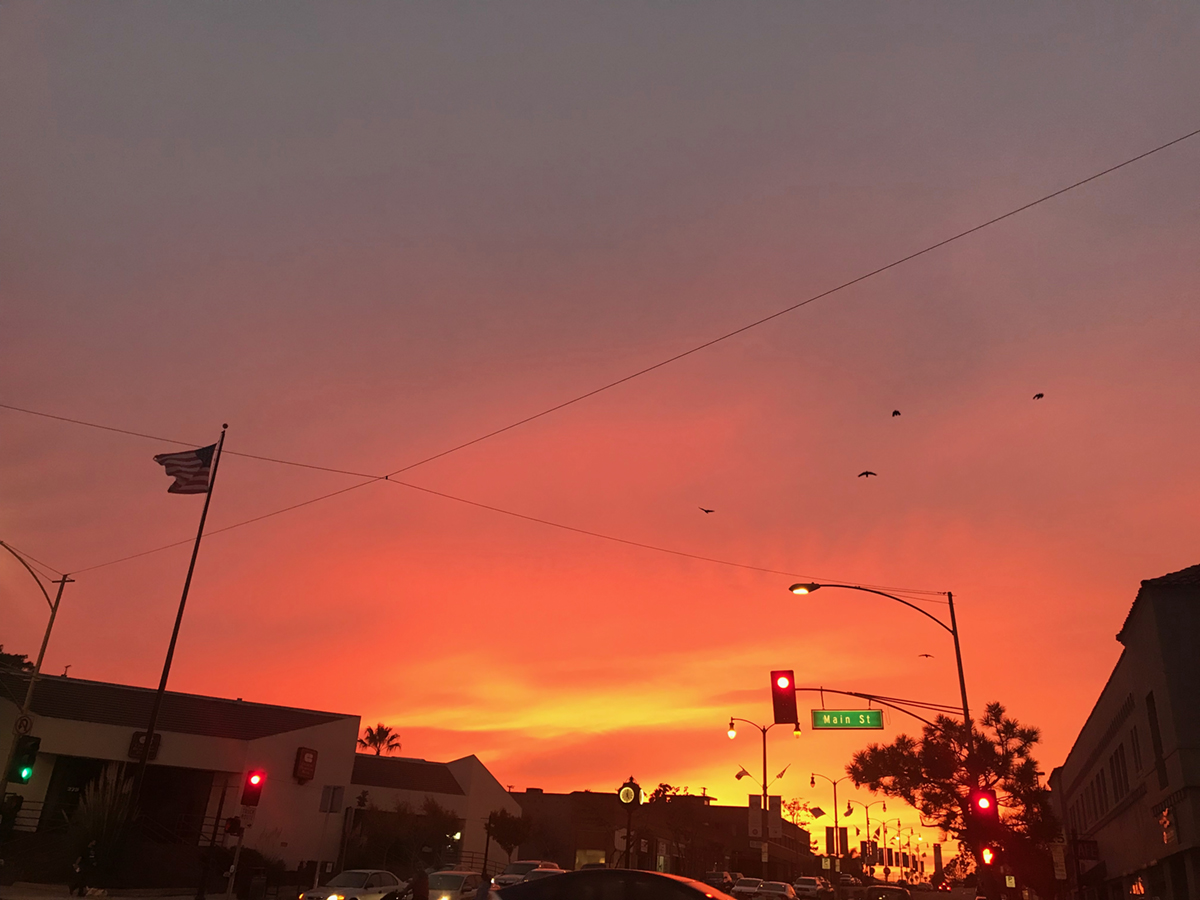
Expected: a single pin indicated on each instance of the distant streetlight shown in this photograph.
(837, 835)
(732, 732)
(808, 587)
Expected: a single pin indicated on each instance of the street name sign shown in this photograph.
(847, 718)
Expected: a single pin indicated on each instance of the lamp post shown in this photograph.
(952, 628)
(837, 834)
(37, 666)
(732, 732)
(867, 810)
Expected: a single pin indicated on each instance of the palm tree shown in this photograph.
(382, 739)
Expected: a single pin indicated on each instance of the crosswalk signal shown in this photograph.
(24, 758)
(988, 856)
(252, 788)
(783, 698)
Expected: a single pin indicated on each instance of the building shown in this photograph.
(464, 786)
(687, 835)
(1129, 790)
(204, 748)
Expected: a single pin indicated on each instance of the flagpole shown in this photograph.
(187, 583)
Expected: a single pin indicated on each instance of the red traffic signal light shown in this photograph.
(783, 697)
(984, 806)
(252, 787)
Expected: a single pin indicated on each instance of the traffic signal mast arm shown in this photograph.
(895, 703)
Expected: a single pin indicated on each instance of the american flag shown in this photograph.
(189, 469)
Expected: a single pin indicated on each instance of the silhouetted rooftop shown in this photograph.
(1182, 578)
(121, 704)
(404, 773)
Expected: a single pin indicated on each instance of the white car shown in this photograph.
(454, 885)
(776, 890)
(808, 888)
(515, 872)
(746, 888)
(357, 884)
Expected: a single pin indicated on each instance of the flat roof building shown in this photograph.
(203, 749)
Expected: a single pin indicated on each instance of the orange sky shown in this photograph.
(363, 238)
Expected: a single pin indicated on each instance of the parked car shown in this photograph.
(886, 892)
(515, 872)
(630, 884)
(722, 881)
(745, 888)
(358, 884)
(848, 881)
(540, 872)
(775, 890)
(454, 885)
(808, 888)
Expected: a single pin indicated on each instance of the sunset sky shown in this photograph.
(362, 234)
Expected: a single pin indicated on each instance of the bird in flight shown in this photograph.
(867, 474)
(895, 412)
(926, 655)
(703, 510)
(1038, 396)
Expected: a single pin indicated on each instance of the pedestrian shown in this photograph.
(84, 870)
(420, 885)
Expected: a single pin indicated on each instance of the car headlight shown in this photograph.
(335, 897)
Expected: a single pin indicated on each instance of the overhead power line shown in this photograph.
(371, 479)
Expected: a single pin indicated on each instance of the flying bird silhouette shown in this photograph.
(1038, 396)
(926, 655)
(867, 474)
(703, 510)
(895, 412)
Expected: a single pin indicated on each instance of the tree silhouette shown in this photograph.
(382, 739)
(936, 774)
(509, 831)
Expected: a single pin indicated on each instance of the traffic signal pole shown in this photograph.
(37, 666)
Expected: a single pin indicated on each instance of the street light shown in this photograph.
(866, 809)
(837, 834)
(952, 628)
(37, 666)
(732, 732)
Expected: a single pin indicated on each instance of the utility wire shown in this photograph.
(49, 570)
(637, 374)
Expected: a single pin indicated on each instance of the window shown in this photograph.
(1136, 748)
(1102, 790)
(1119, 773)
(1160, 764)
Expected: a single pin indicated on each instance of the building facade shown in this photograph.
(1128, 793)
(205, 747)
(687, 835)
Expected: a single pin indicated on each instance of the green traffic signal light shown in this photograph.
(26, 773)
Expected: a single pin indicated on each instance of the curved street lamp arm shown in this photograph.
(21, 560)
(855, 587)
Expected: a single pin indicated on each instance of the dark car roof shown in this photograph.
(569, 884)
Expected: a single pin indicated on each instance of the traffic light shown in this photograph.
(987, 855)
(783, 697)
(233, 825)
(24, 757)
(252, 788)
(984, 807)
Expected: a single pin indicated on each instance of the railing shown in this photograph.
(473, 860)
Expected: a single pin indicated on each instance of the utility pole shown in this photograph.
(37, 666)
